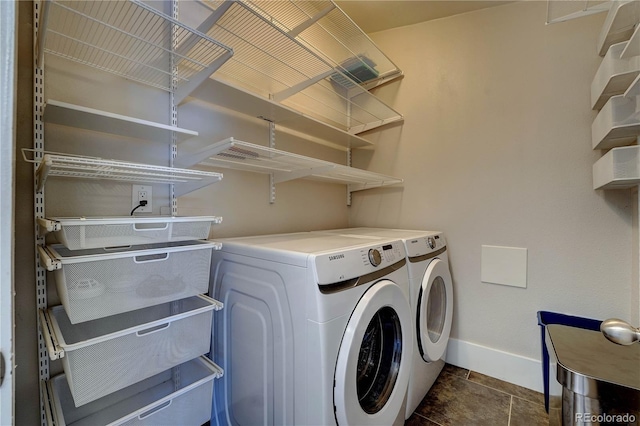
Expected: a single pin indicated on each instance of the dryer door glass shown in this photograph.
(436, 309)
(379, 360)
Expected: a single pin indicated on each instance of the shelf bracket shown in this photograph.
(185, 89)
(306, 24)
(284, 94)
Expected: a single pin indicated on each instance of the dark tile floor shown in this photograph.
(461, 397)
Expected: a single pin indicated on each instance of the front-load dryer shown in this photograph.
(431, 297)
(316, 329)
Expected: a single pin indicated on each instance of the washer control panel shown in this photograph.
(425, 245)
(351, 263)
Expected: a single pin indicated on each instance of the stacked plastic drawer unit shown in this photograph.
(615, 93)
(134, 323)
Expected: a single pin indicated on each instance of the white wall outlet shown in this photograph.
(142, 193)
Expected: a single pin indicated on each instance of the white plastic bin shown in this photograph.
(106, 355)
(96, 232)
(96, 283)
(164, 399)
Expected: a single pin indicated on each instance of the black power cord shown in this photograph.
(142, 204)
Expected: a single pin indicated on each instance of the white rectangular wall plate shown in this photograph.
(504, 265)
(139, 193)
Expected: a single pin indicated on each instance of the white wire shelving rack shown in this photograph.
(325, 29)
(83, 167)
(130, 39)
(66, 114)
(270, 62)
(284, 166)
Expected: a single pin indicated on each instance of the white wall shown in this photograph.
(496, 150)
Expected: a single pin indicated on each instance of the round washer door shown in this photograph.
(374, 360)
(434, 311)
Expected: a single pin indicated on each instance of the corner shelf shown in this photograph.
(617, 123)
(273, 64)
(618, 169)
(614, 75)
(66, 114)
(284, 166)
(130, 39)
(619, 25)
(72, 166)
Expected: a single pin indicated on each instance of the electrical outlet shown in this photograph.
(142, 193)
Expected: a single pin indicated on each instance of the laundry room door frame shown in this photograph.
(8, 42)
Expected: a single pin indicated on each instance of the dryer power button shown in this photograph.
(375, 257)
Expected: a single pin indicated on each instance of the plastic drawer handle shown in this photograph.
(153, 330)
(155, 410)
(116, 248)
(151, 258)
(147, 227)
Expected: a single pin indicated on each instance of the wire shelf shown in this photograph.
(129, 39)
(325, 29)
(76, 166)
(273, 64)
(285, 166)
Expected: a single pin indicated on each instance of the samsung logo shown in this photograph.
(336, 257)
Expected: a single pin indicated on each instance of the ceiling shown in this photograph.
(378, 15)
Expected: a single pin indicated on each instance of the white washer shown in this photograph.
(431, 296)
(316, 329)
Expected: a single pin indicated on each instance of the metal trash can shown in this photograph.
(600, 380)
(545, 318)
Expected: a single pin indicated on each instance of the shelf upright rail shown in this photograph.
(40, 10)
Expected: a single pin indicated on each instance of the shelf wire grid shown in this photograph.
(72, 166)
(129, 39)
(334, 36)
(284, 165)
(268, 62)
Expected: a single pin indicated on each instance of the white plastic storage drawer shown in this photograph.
(164, 399)
(84, 233)
(103, 356)
(96, 283)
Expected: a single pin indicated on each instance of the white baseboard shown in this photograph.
(512, 368)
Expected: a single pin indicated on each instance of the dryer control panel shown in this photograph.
(348, 264)
(425, 245)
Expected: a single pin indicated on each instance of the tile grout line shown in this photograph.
(500, 390)
(510, 408)
(426, 418)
